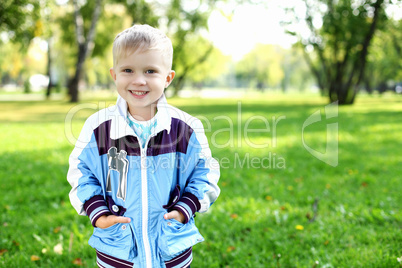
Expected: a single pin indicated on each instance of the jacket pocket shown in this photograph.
(175, 237)
(116, 240)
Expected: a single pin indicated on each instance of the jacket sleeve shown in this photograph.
(86, 194)
(202, 172)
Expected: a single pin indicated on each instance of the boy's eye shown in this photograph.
(150, 71)
(127, 71)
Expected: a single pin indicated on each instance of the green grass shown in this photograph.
(358, 221)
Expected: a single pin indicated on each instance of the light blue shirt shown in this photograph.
(143, 129)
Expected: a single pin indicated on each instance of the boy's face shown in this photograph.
(141, 78)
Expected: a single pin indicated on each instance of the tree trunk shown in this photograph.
(49, 68)
(347, 93)
(74, 82)
(368, 85)
(85, 46)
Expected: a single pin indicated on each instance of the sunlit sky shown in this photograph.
(236, 29)
(249, 25)
(252, 24)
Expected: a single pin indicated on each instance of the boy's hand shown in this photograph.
(106, 221)
(174, 214)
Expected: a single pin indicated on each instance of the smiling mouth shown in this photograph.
(138, 93)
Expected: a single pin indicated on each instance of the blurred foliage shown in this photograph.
(113, 19)
(33, 31)
(16, 66)
(10, 62)
(215, 66)
(296, 71)
(384, 60)
(270, 66)
(141, 11)
(184, 21)
(262, 66)
(20, 19)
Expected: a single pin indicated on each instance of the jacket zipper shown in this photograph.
(144, 188)
(144, 197)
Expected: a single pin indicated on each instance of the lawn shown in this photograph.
(279, 207)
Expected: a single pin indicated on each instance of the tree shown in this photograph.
(184, 22)
(117, 16)
(211, 69)
(337, 47)
(47, 8)
(85, 42)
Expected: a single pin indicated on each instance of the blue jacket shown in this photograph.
(111, 174)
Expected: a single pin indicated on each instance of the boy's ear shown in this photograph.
(113, 74)
(169, 78)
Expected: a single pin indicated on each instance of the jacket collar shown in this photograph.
(119, 127)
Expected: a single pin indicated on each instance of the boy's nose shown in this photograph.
(138, 80)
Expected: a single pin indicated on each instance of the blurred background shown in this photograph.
(334, 48)
(260, 75)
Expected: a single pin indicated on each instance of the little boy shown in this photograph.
(142, 168)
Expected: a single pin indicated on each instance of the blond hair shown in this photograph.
(142, 38)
